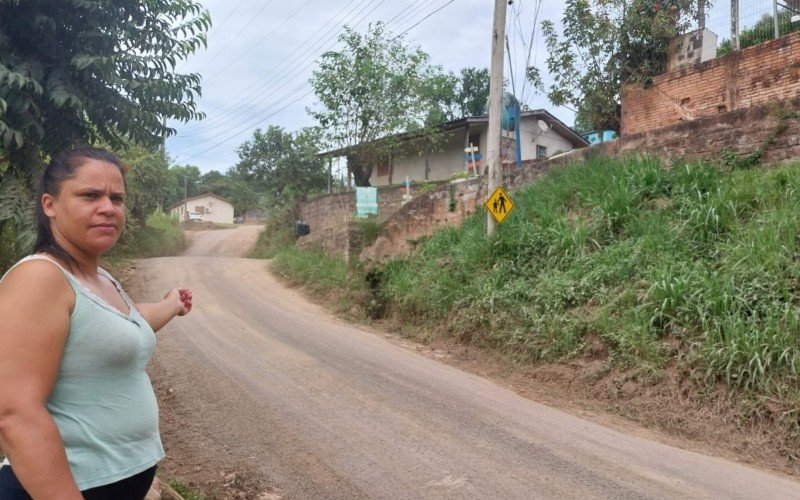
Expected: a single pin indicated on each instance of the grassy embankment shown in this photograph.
(696, 268)
(160, 236)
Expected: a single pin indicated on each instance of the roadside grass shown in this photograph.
(692, 266)
(160, 236)
(327, 278)
(276, 236)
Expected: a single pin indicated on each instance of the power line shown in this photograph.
(247, 129)
(530, 47)
(252, 20)
(239, 98)
(409, 12)
(253, 46)
(294, 73)
(403, 11)
(424, 18)
(217, 28)
(261, 118)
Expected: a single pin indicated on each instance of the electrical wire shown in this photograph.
(298, 72)
(256, 44)
(309, 63)
(219, 27)
(252, 20)
(238, 97)
(423, 19)
(264, 116)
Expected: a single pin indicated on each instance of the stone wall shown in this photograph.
(739, 133)
(448, 205)
(329, 218)
(755, 76)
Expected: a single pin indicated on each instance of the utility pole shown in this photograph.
(735, 25)
(775, 18)
(185, 201)
(495, 106)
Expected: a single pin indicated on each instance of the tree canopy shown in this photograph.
(281, 164)
(89, 71)
(93, 70)
(376, 86)
(602, 45)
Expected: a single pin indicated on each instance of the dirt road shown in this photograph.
(257, 376)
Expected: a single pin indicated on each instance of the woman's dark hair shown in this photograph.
(63, 167)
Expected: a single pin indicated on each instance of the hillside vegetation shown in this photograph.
(694, 268)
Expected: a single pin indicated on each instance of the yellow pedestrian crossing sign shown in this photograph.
(499, 204)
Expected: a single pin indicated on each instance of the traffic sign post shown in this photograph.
(499, 205)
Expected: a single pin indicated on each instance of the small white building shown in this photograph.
(210, 207)
(542, 135)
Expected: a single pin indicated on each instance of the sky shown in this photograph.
(261, 54)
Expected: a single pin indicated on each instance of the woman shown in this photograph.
(78, 416)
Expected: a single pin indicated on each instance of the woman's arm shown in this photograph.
(35, 303)
(177, 302)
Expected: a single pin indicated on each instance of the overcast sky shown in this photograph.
(261, 54)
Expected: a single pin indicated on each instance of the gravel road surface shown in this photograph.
(319, 408)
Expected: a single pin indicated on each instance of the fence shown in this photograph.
(755, 21)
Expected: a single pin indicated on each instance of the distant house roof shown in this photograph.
(195, 197)
(554, 123)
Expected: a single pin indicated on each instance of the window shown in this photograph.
(475, 140)
(383, 169)
(541, 151)
(200, 209)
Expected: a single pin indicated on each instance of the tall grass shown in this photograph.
(160, 236)
(640, 257)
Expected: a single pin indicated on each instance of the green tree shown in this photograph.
(146, 182)
(762, 31)
(457, 96)
(603, 45)
(243, 197)
(183, 181)
(375, 87)
(473, 91)
(281, 163)
(90, 71)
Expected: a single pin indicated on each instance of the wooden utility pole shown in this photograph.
(735, 25)
(495, 106)
(330, 174)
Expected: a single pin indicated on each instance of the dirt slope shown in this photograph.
(257, 380)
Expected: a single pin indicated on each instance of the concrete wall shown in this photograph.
(329, 217)
(743, 132)
(755, 76)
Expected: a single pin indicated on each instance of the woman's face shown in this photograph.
(88, 213)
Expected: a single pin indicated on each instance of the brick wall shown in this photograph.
(755, 76)
(742, 132)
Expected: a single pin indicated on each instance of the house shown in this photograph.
(594, 136)
(541, 135)
(211, 208)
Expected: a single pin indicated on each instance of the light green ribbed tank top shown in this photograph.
(102, 401)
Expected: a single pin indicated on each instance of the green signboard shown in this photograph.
(366, 201)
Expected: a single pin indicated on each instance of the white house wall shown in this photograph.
(531, 136)
(442, 164)
(214, 209)
(445, 163)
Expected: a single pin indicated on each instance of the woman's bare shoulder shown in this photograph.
(36, 279)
